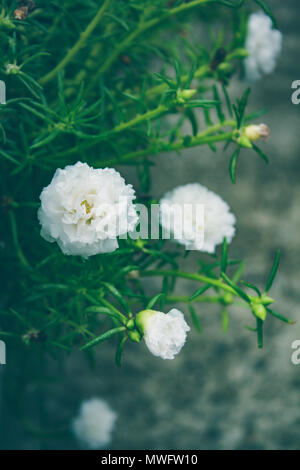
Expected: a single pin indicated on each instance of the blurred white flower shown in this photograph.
(263, 44)
(84, 210)
(94, 424)
(164, 333)
(218, 222)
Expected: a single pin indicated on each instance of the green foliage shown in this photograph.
(81, 86)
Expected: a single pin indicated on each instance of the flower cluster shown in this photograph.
(263, 45)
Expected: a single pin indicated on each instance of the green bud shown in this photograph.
(185, 95)
(225, 67)
(243, 141)
(142, 318)
(259, 310)
(134, 336)
(227, 298)
(130, 324)
(140, 243)
(238, 54)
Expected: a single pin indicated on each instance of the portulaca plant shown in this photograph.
(84, 100)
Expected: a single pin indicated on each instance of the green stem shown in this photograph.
(186, 299)
(144, 26)
(195, 277)
(77, 46)
(200, 139)
(163, 147)
(140, 118)
(116, 130)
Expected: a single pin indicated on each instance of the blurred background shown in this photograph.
(221, 392)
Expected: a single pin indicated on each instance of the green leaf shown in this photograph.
(103, 310)
(250, 328)
(237, 275)
(255, 114)
(234, 286)
(273, 271)
(9, 157)
(228, 103)
(280, 317)
(251, 286)
(201, 104)
(240, 107)
(267, 11)
(200, 292)
(162, 78)
(232, 165)
(177, 72)
(117, 294)
(193, 120)
(119, 351)
(195, 319)
(220, 113)
(224, 255)
(260, 153)
(154, 300)
(108, 334)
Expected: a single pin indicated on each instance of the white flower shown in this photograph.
(84, 210)
(218, 221)
(94, 423)
(164, 334)
(263, 44)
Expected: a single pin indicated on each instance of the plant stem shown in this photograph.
(119, 128)
(163, 147)
(195, 277)
(186, 299)
(77, 46)
(144, 26)
(160, 146)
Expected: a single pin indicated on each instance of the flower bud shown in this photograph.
(227, 298)
(185, 95)
(255, 132)
(225, 67)
(134, 335)
(259, 310)
(164, 334)
(244, 141)
(238, 54)
(142, 318)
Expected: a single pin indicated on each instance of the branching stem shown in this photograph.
(77, 46)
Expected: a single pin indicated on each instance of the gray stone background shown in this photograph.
(221, 392)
